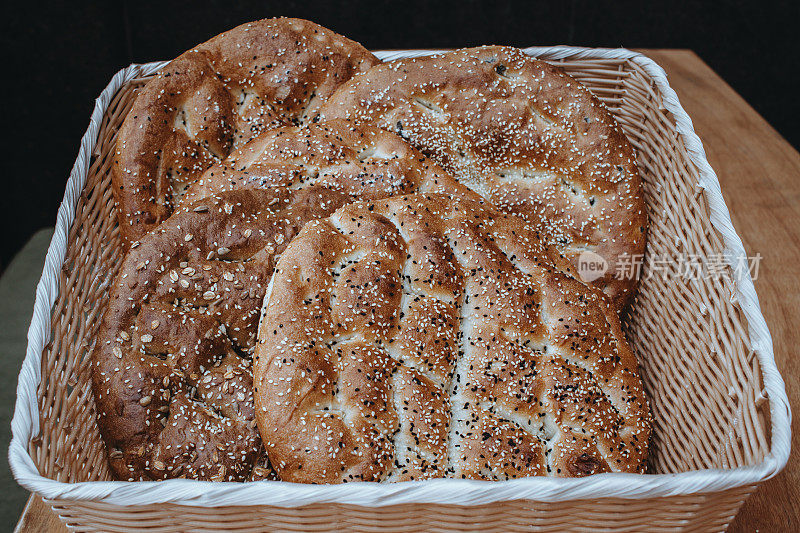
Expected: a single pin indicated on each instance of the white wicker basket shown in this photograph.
(82, 503)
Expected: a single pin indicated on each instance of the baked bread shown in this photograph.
(171, 373)
(524, 135)
(172, 377)
(217, 96)
(356, 161)
(427, 336)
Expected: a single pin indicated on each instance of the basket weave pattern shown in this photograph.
(699, 367)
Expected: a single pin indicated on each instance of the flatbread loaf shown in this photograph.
(214, 98)
(428, 336)
(172, 376)
(524, 135)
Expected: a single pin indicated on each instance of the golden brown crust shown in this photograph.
(171, 370)
(360, 162)
(217, 96)
(429, 336)
(524, 135)
(193, 288)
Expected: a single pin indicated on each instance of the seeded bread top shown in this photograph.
(217, 96)
(430, 336)
(524, 135)
(356, 161)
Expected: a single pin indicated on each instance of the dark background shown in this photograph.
(59, 56)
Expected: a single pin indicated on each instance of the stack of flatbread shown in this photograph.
(338, 269)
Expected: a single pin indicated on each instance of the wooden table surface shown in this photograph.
(760, 176)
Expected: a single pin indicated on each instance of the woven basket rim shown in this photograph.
(25, 422)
